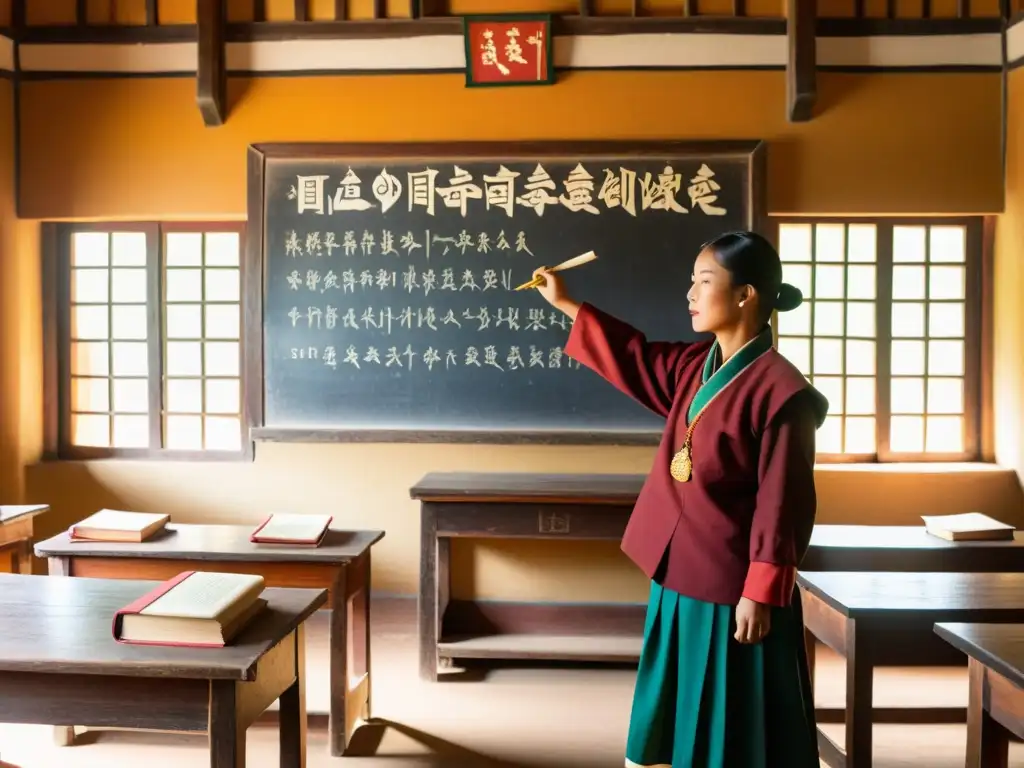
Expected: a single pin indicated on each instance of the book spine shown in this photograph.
(137, 606)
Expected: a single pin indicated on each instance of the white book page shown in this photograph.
(968, 521)
(204, 595)
(294, 527)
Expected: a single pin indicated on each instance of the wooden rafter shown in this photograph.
(802, 66)
(211, 74)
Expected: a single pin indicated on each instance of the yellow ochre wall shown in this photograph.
(133, 148)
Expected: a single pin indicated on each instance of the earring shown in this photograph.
(743, 302)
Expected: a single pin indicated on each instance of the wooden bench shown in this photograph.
(16, 532)
(887, 619)
(995, 706)
(495, 505)
(341, 564)
(59, 663)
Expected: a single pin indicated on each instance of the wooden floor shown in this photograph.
(514, 717)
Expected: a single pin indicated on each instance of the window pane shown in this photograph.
(221, 358)
(860, 396)
(184, 358)
(908, 244)
(907, 358)
(128, 286)
(946, 358)
(90, 286)
(223, 321)
(828, 318)
(131, 395)
(830, 435)
(860, 435)
(223, 433)
(828, 356)
(829, 244)
(131, 432)
(829, 282)
(945, 395)
(128, 249)
(184, 285)
(184, 396)
(946, 320)
(795, 242)
(90, 249)
(90, 394)
(906, 434)
(222, 396)
(862, 243)
(129, 320)
(798, 352)
(90, 430)
(185, 433)
(90, 358)
(860, 357)
(799, 276)
(90, 321)
(222, 249)
(832, 388)
(907, 395)
(945, 434)
(184, 321)
(862, 280)
(223, 285)
(947, 282)
(908, 320)
(948, 244)
(908, 283)
(130, 358)
(860, 319)
(184, 249)
(797, 322)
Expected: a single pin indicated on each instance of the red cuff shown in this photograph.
(573, 343)
(769, 583)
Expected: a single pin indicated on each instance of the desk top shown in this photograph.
(179, 541)
(56, 624)
(997, 646)
(954, 596)
(897, 537)
(527, 486)
(11, 512)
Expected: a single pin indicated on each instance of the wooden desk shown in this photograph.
(496, 505)
(16, 532)
(995, 708)
(59, 664)
(887, 619)
(341, 564)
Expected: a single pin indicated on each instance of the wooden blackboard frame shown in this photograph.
(754, 152)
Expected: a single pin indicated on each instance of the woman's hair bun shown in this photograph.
(789, 298)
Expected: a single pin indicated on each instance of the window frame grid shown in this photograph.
(56, 239)
(976, 264)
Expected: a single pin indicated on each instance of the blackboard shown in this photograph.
(384, 276)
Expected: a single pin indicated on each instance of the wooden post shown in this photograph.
(801, 69)
(211, 74)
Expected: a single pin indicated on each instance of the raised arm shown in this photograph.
(645, 370)
(786, 503)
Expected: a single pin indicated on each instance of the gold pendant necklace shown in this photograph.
(681, 467)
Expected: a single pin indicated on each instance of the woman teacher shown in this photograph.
(723, 519)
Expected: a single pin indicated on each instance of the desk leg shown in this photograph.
(63, 735)
(292, 710)
(988, 743)
(811, 649)
(339, 663)
(226, 735)
(859, 697)
(428, 595)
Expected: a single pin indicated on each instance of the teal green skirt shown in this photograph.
(704, 700)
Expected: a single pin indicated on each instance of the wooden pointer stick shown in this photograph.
(575, 261)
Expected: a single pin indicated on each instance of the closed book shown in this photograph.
(115, 525)
(194, 608)
(298, 530)
(969, 526)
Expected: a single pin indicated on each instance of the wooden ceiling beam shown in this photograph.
(211, 69)
(802, 66)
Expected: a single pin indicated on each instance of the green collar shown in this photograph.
(715, 378)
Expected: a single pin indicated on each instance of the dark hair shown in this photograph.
(752, 260)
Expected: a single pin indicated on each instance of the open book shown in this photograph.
(195, 608)
(969, 526)
(115, 525)
(301, 530)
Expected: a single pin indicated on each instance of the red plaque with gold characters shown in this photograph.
(509, 49)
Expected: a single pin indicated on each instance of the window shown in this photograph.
(147, 322)
(889, 332)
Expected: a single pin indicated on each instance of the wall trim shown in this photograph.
(703, 50)
(1015, 42)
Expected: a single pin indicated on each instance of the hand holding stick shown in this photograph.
(575, 261)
